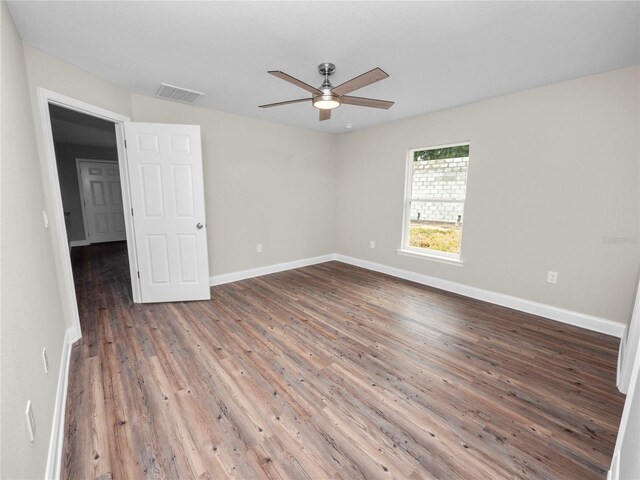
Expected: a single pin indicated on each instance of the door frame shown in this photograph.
(52, 182)
(81, 188)
(629, 346)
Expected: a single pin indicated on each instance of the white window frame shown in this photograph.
(427, 253)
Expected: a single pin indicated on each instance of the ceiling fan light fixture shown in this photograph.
(326, 102)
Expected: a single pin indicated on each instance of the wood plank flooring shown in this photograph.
(329, 372)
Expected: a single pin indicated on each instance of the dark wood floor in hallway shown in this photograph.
(329, 371)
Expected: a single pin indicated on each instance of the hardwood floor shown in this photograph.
(330, 371)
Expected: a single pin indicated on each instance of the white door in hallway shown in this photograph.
(102, 200)
(167, 195)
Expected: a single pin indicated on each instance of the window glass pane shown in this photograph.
(440, 179)
(436, 200)
(436, 226)
(458, 151)
(437, 212)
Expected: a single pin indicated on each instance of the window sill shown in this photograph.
(431, 256)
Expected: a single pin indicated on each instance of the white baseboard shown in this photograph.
(614, 471)
(570, 317)
(78, 243)
(56, 441)
(589, 322)
(258, 272)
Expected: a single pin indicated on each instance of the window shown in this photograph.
(434, 203)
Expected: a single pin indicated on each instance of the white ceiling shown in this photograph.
(438, 54)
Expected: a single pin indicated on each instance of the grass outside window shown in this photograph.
(438, 237)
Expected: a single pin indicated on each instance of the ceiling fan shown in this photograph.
(327, 97)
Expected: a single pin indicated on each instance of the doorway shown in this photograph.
(162, 194)
(88, 175)
(95, 133)
(91, 192)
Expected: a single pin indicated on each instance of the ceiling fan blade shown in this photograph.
(325, 114)
(295, 81)
(366, 102)
(299, 100)
(360, 81)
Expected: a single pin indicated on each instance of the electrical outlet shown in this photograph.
(46, 220)
(45, 359)
(372, 244)
(259, 248)
(31, 421)
(552, 277)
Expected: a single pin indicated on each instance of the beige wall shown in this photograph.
(552, 172)
(264, 183)
(56, 75)
(31, 311)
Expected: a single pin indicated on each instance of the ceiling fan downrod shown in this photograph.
(326, 69)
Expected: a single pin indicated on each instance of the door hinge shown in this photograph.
(125, 143)
(132, 211)
(138, 273)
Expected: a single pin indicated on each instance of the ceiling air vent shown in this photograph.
(178, 94)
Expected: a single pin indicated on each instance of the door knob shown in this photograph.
(199, 226)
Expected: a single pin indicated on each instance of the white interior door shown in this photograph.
(167, 195)
(102, 201)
